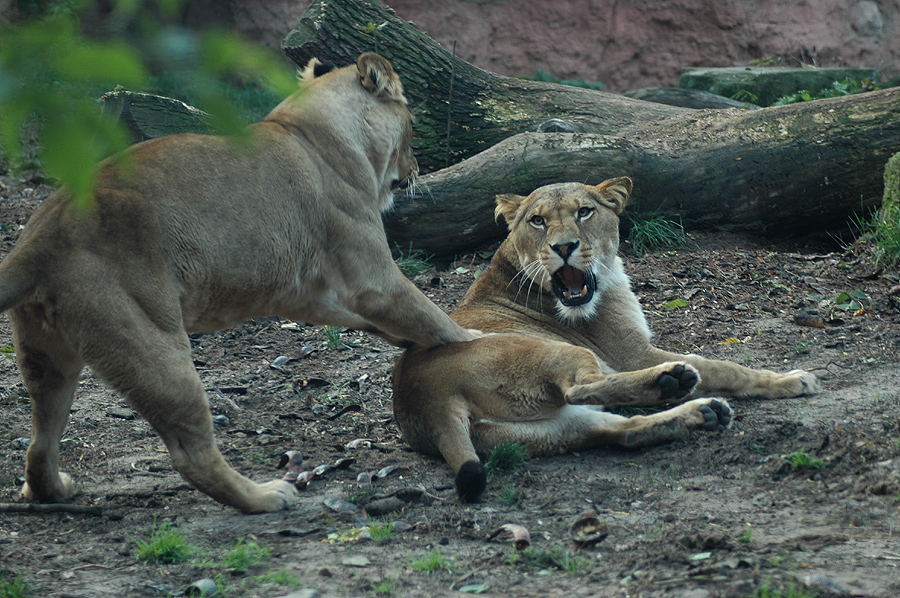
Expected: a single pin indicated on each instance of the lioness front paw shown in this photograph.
(678, 382)
(716, 414)
(278, 495)
(802, 383)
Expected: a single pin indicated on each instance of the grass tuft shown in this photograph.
(166, 545)
(244, 555)
(509, 495)
(333, 336)
(14, 587)
(555, 558)
(801, 460)
(657, 233)
(879, 235)
(767, 591)
(506, 457)
(433, 562)
(413, 262)
(381, 532)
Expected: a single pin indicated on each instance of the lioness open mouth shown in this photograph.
(572, 286)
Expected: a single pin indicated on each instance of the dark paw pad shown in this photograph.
(471, 480)
(716, 416)
(677, 383)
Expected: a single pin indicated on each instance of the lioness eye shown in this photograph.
(584, 213)
(537, 220)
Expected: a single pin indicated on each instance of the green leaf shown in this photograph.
(102, 63)
(842, 298)
(857, 294)
(674, 303)
(475, 588)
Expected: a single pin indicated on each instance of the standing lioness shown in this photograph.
(573, 338)
(198, 234)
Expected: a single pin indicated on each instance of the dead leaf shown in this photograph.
(587, 529)
(519, 534)
(813, 319)
(339, 505)
(293, 460)
(388, 470)
(358, 443)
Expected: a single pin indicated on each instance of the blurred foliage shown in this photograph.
(52, 73)
(845, 87)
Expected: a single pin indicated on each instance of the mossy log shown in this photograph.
(796, 169)
(460, 109)
(147, 116)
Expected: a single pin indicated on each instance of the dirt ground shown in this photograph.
(715, 515)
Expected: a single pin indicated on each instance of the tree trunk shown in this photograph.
(792, 169)
(147, 116)
(460, 109)
(803, 168)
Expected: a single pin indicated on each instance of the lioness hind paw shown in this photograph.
(717, 415)
(809, 384)
(471, 480)
(678, 382)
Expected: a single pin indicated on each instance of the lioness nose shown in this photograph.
(564, 250)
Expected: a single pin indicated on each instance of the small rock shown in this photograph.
(121, 413)
(20, 443)
(356, 561)
(383, 506)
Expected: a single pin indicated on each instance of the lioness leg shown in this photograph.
(581, 427)
(160, 382)
(139, 348)
(663, 383)
(50, 371)
(723, 378)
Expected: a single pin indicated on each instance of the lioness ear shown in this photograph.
(507, 206)
(377, 75)
(315, 68)
(613, 193)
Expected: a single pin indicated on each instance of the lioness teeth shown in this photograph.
(568, 294)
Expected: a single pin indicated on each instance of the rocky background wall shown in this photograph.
(625, 44)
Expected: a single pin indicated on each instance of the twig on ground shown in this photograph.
(50, 508)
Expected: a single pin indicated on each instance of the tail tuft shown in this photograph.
(471, 480)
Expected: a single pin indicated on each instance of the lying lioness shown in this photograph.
(573, 337)
(198, 233)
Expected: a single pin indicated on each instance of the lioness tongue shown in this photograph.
(572, 278)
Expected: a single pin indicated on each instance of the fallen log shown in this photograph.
(790, 170)
(460, 109)
(796, 169)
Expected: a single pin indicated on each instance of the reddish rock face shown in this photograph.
(625, 44)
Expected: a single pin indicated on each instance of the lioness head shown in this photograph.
(566, 237)
(375, 123)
